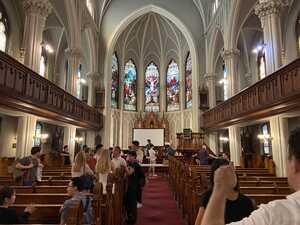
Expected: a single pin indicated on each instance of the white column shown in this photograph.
(280, 134)
(90, 138)
(25, 135)
(235, 145)
(211, 85)
(162, 90)
(269, 14)
(73, 55)
(69, 139)
(213, 142)
(36, 12)
(93, 78)
(231, 59)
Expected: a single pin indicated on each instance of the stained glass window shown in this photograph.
(225, 82)
(261, 61)
(89, 5)
(188, 82)
(152, 88)
(130, 88)
(115, 82)
(216, 6)
(42, 66)
(3, 31)
(78, 82)
(2, 37)
(266, 142)
(38, 133)
(173, 87)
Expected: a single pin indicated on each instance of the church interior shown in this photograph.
(198, 78)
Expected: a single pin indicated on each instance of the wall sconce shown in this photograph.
(78, 139)
(224, 139)
(223, 81)
(47, 47)
(83, 81)
(264, 137)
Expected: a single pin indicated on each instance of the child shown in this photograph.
(152, 157)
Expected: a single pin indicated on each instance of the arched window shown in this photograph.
(188, 81)
(298, 33)
(173, 87)
(42, 66)
(152, 88)
(90, 7)
(78, 82)
(266, 145)
(225, 82)
(38, 133)
(3, 30)
(216, 5)
(261, 63)
(130, 88)
(115, 82)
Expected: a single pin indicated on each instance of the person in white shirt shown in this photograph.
(278, 212)
(139, 152)
(98, 150)
(117, 160)
(152, 157)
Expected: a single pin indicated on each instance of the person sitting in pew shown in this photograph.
(26, 169)
(80, 166)
(74, 190)
(9, 215)
(278, 212)
(238, 205)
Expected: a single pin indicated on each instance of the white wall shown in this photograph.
(8, 134)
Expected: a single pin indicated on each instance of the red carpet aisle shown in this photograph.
(159, 207)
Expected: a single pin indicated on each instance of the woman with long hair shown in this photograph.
(238, 205)
(80, 166)
(104, 168)
(9, 215)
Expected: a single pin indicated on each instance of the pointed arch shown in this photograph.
(152, 88)
(173, 86)
(115, 81)
(130, 86)
(188, 81)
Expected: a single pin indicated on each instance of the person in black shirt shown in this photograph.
(65, 153)
(238, 205)
(9, 215)
(136, 179)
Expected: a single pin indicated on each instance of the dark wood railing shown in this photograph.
(277, 93)
(23, 89)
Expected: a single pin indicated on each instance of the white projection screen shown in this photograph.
(155, 135)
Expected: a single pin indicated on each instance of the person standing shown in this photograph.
(148, 146)
(152, 157)
(135, 180)
(139, 153)
(117, 160)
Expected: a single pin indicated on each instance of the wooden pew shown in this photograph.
(40, 189)
(41, 198)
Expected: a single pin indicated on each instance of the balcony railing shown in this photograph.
(277, 93)
(27, 91)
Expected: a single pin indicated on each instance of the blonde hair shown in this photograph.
(104, 163)
(79, 161)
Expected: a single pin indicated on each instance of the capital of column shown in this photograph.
(93, 76)
(41, 7)
(210, 77)
(268, 7)
(230, 53)
(73, 53)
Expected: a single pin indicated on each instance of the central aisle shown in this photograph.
(159, 207)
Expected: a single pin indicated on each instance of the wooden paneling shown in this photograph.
(277, 93)
(23, 89)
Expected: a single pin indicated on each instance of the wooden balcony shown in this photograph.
(24, 90)
(277, 93)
